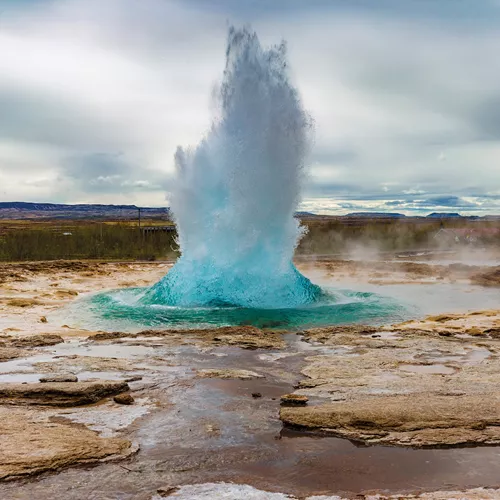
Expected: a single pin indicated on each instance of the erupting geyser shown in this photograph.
(234, 197)
(235, 193)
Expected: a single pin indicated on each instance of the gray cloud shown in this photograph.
(108, 174)
(447, 201)
(97, 172)
(421, 9)
(333, 156)
(40, 118)
(95, 96)
(437, 201)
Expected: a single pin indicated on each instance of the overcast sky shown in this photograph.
(95, 96)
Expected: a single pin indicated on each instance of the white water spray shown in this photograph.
(235, 194)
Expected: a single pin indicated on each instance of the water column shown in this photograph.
(235, 193)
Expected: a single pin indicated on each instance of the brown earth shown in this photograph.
(473, 494)
(476, 324)
(22, 302)
(394, 272)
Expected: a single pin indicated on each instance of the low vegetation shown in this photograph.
(124, 240)
(50, 241)
(348, 235)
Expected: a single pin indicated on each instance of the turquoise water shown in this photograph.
(204, 285)
(126, 309)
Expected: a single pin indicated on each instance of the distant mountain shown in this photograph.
(21, 205)
(441, 215)
(24, 210)
(304, 214)
(376, 215)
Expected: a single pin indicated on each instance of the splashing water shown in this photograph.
(234, 197)
(235, 193)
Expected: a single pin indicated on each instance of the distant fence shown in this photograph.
(158, 229)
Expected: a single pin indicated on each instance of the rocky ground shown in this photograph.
(147, 414)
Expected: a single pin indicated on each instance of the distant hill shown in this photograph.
(304, 214)
(19, 210)
(25, 210)
(441, 215)
(376, 215)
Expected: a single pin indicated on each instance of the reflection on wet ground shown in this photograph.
(323, 465)
(437, 368)
(209, 430)
(194, 430)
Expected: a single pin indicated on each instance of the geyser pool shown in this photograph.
(123, 310)
(234, 197)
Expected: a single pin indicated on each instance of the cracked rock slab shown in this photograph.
(8, 353)
(29, 446)
(35, 341)
(60, 393)
(414, 421)
(245, 337)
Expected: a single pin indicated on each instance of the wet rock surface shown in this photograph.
(124, 399)
(246, 337)
(59, 393)
(488, 278)
(228, 373)
(58, 378)
(76, 363)
(15, 347)
(34, 341)
(30, 445)
(196, 429)
(416, 421)
(406, 385)
(294, 400)
(194, 416)
(8, 353)
(244, 492)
